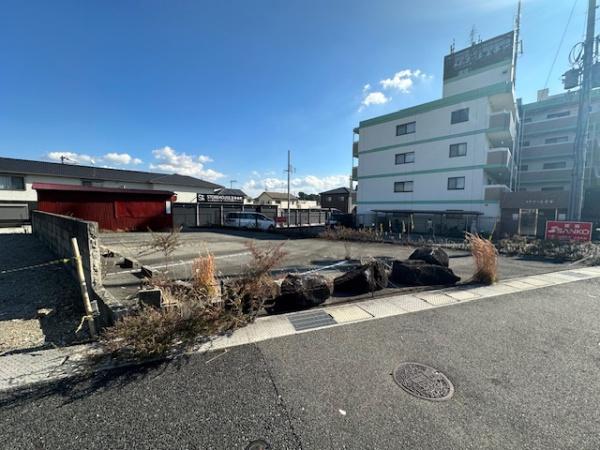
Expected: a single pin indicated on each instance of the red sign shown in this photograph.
(559, 230)
(281, 219)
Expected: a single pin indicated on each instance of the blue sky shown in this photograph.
(222, 89)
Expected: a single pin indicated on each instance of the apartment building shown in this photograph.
(547, 142)
(444, 164)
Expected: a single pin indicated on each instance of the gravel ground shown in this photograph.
(24, 293)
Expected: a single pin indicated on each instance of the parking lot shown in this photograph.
(303, 254)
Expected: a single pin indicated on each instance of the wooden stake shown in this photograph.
(84, 292)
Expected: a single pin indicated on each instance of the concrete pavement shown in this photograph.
(524, 366)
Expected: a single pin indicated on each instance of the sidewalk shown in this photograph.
(21, 370)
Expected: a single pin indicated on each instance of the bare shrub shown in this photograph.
(191, 312)
(255, 286)
(166, 243)
(486, 259)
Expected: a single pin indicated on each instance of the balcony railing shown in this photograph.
(493, 192)
(355, 174)
(355, 149)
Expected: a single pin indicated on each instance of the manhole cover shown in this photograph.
(259, 444)
(423, 381)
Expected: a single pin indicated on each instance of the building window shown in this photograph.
(556, 140)
(456, 183)
(460, 115)
(458, 149)
(12, 183)
(555, 165)
(527, 119)
(405, 158)
(406, 128)
(524, 168)
(553, 188)
(526, 143)
(329, 199)
(342, 198)
(558, 114)
(403, 186)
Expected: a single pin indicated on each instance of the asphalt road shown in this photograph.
(525, 368)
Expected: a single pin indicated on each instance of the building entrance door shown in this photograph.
(528, 222)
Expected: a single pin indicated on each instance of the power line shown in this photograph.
(562, 38)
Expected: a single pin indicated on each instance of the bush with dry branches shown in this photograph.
(166, 243)
(486, 259)
(193, 312)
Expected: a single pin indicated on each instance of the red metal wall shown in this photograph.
(112, 211)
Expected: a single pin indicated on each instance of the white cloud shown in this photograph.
(309, 184)
(121, 158)
(71, 157)
(366, 87)
(374, 98)
(404, 80)
(168, 160)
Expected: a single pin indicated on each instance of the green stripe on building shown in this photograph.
(494, 89)
(433, 139)
(446, 169)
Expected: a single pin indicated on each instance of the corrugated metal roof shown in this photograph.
(77, 188)
(29, 167)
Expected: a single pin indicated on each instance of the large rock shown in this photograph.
(301, 292)
(369, 277)
(420, 273)
(431, 256)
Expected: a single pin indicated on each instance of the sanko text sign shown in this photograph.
(559, 230)
(216, 198)
(479, 55)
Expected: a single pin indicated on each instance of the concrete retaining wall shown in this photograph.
(56, 232)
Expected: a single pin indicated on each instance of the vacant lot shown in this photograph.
(229, 248)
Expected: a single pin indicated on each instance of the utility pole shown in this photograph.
(578, 180)
(289, 171)
(231, 183)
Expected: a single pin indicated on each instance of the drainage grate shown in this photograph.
(311, 319)
(259, 444)
(423, 381)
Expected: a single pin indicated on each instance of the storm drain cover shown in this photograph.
(423, 381)
(311, 319)
(259, 444)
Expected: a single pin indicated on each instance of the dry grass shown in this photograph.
(486, 259)
(204, 275)
(350, 234)
(193, 311)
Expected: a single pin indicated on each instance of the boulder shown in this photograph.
(301, 292)
(369, 277)
(420, 273)
(431, 255)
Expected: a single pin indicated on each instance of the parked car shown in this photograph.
(249, 220)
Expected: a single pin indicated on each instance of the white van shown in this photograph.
(249, 220)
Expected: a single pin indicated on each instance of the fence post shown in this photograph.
(84, 292)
